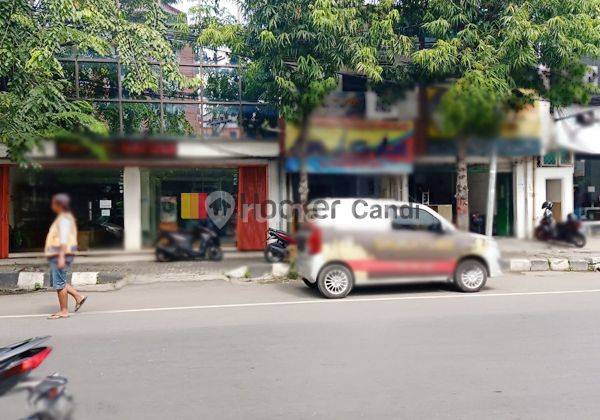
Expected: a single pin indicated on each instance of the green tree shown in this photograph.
(296, 49)
(500, 55)
(33, 84)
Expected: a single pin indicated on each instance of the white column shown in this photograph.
(519, 199)
(404, 193)
(530, 220)
(568, 205)
(132, 196)
(274, 189)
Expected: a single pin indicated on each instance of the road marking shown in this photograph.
(317, 301)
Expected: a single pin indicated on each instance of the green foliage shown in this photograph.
(503, 54)
(34, 103)
(294, 50)
(141, 118)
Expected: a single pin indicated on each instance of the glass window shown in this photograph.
(566, 157)
(182, 120)
(150, 93)
(221, 121)
(69, 72)
(416, 218)
(260, 121)
(108, 112)
(221, 84)
(96, 201)
(171, 91)
(172, 198)
(549, 159)
(141, 118)
(98, 80)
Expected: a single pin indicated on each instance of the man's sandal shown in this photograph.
(80, 304)
(57, 316)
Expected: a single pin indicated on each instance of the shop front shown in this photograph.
(176, 198)
(350, 155)
(97, 204)
(434, 185)
(586, 188)
(125, 202)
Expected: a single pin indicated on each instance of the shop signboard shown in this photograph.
(523, 133)
(348, 145)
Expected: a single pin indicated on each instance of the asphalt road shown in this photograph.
(526, 347)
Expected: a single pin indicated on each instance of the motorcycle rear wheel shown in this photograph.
(578, 239)
(214, 253)
(540, 233)
(162, 256)
(272, 257)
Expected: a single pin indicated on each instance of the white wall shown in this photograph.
(276, 193)
(564, 174)
(132, 196)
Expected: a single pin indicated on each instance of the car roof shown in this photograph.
(381, 201)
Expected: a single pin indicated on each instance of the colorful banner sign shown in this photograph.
(353, 145)
(193, 206)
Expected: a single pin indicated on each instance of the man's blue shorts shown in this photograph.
(58, 277)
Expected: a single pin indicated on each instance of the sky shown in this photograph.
(230, 5)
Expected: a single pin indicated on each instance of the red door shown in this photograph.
(252, 196)
(4, 202)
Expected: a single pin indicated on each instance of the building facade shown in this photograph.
(167, 151)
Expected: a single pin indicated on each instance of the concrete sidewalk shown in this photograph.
(104, 269)
(107, 270)
(529, 255)
(106, 256)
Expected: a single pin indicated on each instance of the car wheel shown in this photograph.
(309, 284)
(470, 276)
(335, 281)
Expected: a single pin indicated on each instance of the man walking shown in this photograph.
(61, 244)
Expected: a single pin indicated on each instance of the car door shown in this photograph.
(419, 246)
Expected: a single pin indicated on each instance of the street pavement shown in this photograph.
(528, 346)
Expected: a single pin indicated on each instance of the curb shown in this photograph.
(519, 265)
(82, 280)
(241, 274)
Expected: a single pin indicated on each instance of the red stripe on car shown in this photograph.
(404, 267)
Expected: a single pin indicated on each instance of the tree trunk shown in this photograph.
(462, 187)
(303, 184)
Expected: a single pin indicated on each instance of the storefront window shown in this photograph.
(586, 188)
(97, 204)
(174, 199)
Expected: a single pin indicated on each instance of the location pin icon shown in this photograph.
(219, 207)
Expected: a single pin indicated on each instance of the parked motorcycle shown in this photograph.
(277, 245)
(569, 231)
(46, 397)
(172, 246)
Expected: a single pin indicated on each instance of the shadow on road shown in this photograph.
(299, 290)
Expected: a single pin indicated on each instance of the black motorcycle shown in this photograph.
(569, 231)
(172, 246)
(46, 397)
(277, 245)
